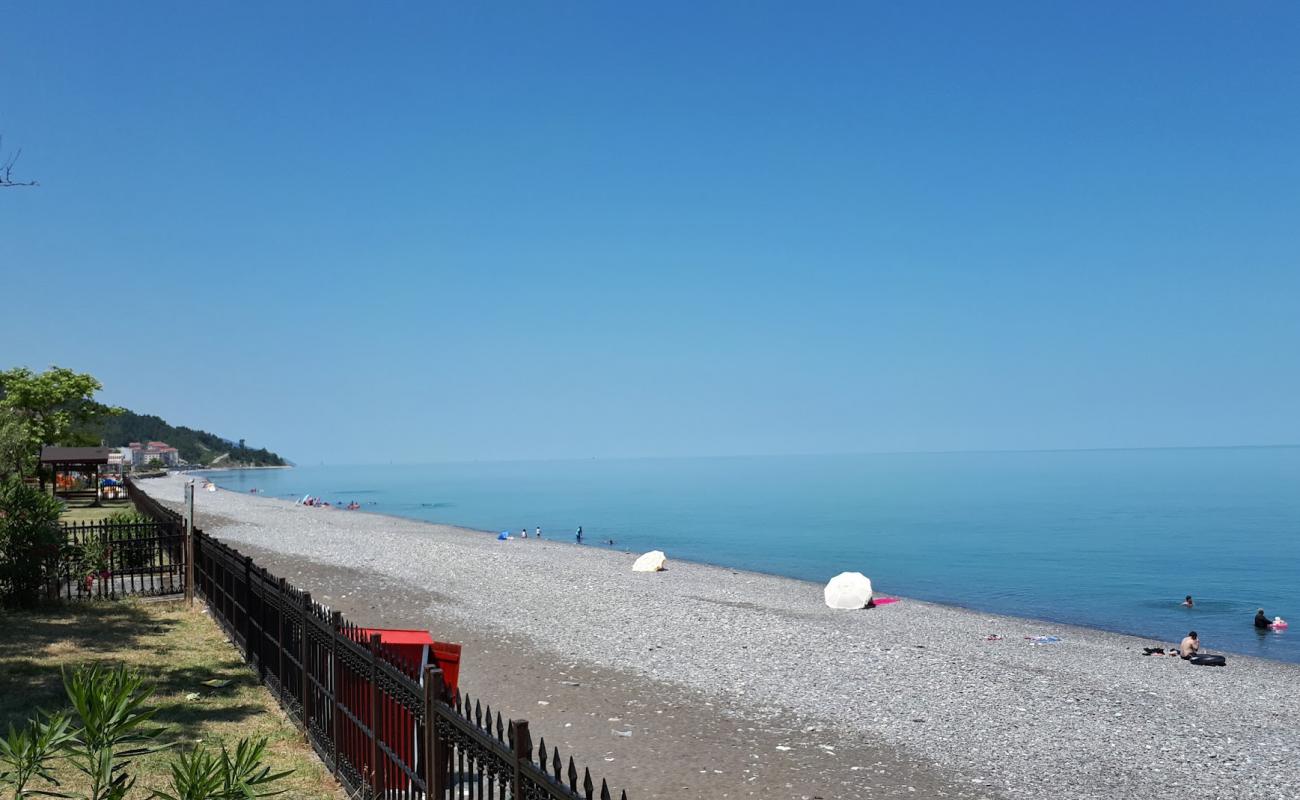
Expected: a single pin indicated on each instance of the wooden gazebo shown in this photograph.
(83, 460)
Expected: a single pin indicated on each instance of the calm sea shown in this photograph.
(1108, 539)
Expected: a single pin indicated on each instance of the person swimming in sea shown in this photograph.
(1187, 601)
(1262, 620)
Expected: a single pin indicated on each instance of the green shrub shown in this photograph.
(109, 728)
(30, 753)
(136, 546)
(30, 543)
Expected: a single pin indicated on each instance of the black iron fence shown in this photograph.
(109, 559)
(383, 722)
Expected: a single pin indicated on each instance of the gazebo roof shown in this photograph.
(75, 455)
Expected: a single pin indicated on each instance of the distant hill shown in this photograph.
(196, 447)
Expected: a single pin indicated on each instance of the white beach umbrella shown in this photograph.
(652, 561)
(848, 590)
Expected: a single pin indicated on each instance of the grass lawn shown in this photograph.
(94, 514)
(176, 650)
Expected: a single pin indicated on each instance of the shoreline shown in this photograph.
(1005, 717)
(230, 469)
(814, 587)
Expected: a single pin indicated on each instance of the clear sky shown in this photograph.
(411, 232)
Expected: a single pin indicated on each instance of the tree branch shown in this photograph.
(7, 170)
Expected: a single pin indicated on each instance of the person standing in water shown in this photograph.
(539, 531)
(579, 536)
(1262, 620)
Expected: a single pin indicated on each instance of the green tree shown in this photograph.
(16, 455)
(30, 542)
(49, 407)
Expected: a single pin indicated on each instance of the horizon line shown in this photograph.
(977, 451)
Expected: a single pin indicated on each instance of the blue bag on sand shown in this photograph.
(503, 536)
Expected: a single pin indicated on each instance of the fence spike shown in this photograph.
(541, 753)
(487, 712)
(623, 795)
(478, 714)
(573, 776)
(588, 787)
(556, 764)
(500, 728)
(604, 790)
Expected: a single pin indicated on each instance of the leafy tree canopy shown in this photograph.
(50, 407)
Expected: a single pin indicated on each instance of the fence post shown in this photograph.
(336, 723)
(281, 602)
(376, 718)
(189, 543)
(305, 610)
(522, 746)
(264, 581)
(435, 769)
(248, 613)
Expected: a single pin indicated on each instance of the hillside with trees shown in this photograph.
(195, 446)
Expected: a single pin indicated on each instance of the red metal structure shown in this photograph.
(411, 651)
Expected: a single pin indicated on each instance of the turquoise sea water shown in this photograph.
(1108, 539)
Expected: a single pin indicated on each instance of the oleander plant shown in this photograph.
(107, 727)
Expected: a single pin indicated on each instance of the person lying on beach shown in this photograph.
(1190, 645)
(1261, 619)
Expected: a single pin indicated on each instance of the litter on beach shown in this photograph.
(1044, 639)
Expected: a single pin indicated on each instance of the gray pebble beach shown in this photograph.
(1090, 717)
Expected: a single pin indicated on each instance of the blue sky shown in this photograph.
(362, 233)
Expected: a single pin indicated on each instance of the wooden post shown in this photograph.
(189, 543)
(522, 745)
(336, 717)
(376, 719)
(305, 610)
(435, 765)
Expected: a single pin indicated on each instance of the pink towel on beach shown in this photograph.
(884, 601)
